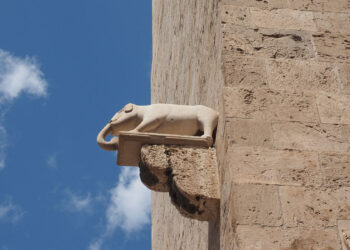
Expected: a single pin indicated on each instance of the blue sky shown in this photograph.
(65, 68)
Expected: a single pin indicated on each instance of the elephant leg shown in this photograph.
(147, 125)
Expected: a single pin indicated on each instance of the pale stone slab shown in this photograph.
(336, 169)
(256, 204)
(296, 75)
(130, 144)
(334, 108)
(261, 165)
(267, 104)
(242, 71)
(332, 46)
(344, 74)
(283, 19)
(320, 5)
(267, 43)
(330, 21)
(304, 207)
(344, 233)
(311, 136)
(269, 238)
(249, 133)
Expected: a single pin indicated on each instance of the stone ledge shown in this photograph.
(188, 173)
(130, 144)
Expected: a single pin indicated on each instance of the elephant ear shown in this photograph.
(128, 107)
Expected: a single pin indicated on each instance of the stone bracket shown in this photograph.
(188, 173)
(184, 166)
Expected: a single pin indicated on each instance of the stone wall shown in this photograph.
(186, 69)
(279, 73)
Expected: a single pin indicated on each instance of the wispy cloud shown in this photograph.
(129, 207)
(17, 76)
(77, 203)
(52, 161)
(10, 212)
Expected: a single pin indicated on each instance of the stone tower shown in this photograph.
(278, 71)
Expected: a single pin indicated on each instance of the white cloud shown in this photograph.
(130, 204)
(10, 212)
(18, 75)
(52, 161)
(129, 207)
(96, 245)
(76, 203)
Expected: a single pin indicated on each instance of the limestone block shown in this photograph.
(277, 167)
(344, 74)
(267, 104)
(344, 233)
(311, 136)
(320, 5)
(270, 43)
(259, 4)
(334, 108)
(188, 173)
(256, 237)
(242, 71)
(256, 204)
(332, 47)
(249, 133)
(304, 207)
(235, 15)
(283, 19)
(330, 21)
(302, 75)
(336, 169)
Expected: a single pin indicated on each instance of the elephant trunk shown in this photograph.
(107, 145)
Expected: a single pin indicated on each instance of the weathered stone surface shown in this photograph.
(330, 21)
(302, 75)
(173, 231)
(188, 173)
(320, 5)
(344, 74)
(260, 4)
(185, 70)
(283, 19)
(332, 46)
(334, 108)
(311, 136)
(270, 43)
(235, 15)
(275, 238)
(249, 133)
(344, 233)
(336, 169)
(267, 104)
(261, 165)
(314, 207)
(256, 204)
(247, 72)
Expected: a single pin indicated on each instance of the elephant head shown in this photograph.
(124, 120)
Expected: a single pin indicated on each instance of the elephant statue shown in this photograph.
(159, 118)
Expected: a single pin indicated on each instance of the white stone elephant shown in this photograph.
(159, 118)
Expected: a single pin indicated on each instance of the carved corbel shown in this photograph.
(162, 140)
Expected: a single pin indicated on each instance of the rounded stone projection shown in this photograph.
(189, 174)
